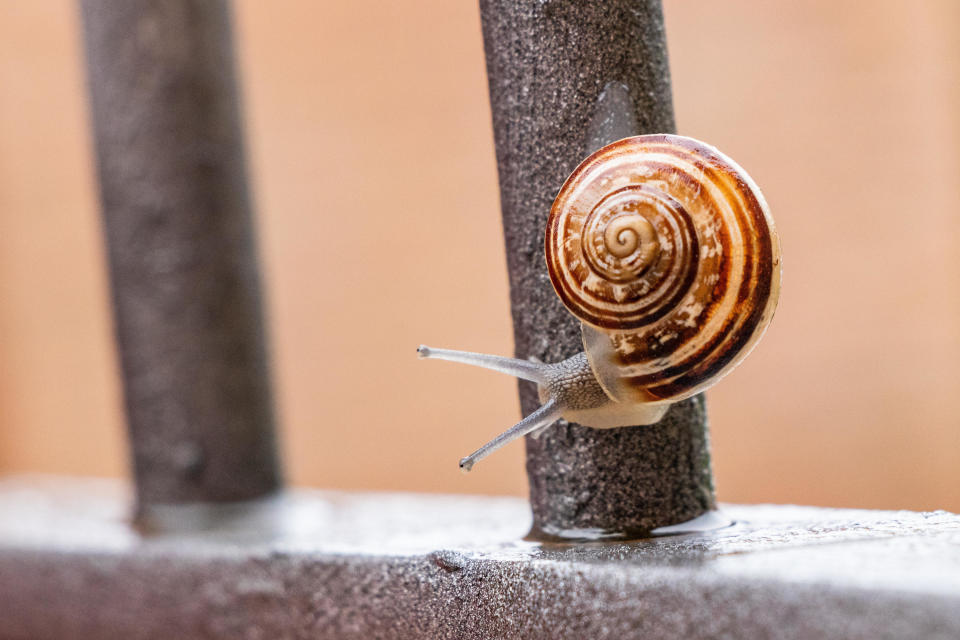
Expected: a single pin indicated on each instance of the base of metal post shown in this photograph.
(623, 484)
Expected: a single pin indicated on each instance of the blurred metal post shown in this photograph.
(183, 268)
(567, 77)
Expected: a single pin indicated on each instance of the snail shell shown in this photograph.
(665, 249)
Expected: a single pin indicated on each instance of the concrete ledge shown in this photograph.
(314, 564)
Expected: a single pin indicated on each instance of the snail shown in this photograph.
(665, 250)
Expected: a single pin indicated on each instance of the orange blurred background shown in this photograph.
(368, 122)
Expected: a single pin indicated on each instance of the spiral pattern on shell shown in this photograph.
(666, 251)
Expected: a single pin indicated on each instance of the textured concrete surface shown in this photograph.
(183, 268)
(316, 564)
(567, 77)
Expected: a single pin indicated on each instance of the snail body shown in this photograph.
(665, 250)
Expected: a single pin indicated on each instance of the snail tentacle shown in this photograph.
(523, 369)
(542, 417)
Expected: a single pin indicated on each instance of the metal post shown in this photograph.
(565, 78)
(183, 269)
